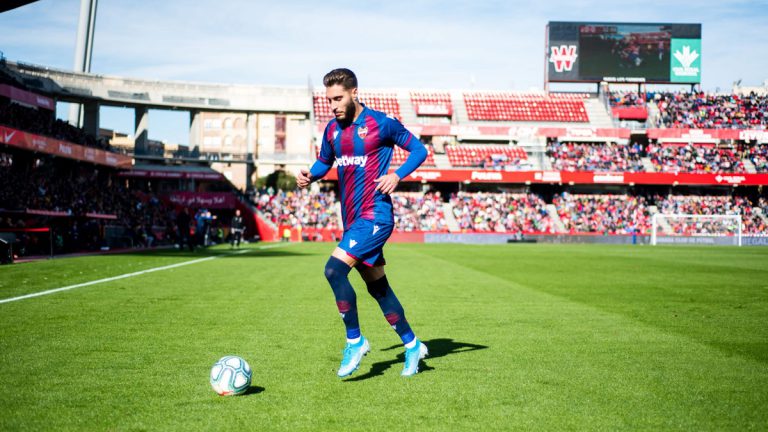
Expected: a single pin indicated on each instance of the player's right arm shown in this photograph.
(321, 166)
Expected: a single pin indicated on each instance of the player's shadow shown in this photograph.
(437, 348)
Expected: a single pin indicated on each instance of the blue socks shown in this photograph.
(391, 307)
(336, 271)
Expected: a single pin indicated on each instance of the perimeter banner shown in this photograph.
(566, 177)
(52, 146)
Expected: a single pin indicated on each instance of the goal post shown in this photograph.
(696, 229)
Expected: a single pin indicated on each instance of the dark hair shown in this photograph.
(342, 76)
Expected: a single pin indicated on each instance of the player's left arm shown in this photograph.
(408, 142)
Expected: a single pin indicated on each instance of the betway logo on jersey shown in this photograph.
(563, 56)
(352, 160)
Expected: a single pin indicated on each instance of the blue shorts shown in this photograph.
(365, 239)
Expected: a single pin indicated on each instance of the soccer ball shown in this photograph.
(231, 375)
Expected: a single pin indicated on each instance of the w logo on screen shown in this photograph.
(563, 56)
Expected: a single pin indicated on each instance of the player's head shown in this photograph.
(237, 212)
(341, 91)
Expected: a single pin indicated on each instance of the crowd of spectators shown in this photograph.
(501, 212)
(416, 211)
(753, 223)
(43, 122)
(628, 99)
(610, 214)
(81, 200)
(702, 110)
(299, 208)
(694, 158)
(606, 214)
(573, 156)
(758, 155)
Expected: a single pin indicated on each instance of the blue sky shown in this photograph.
(445, 44)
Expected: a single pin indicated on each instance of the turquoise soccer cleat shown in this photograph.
(412, 358)
(353, 354)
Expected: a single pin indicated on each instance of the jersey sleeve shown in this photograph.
(324, 159)
(326, 148)
(403, 138)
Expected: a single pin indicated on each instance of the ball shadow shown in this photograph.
(252, 390)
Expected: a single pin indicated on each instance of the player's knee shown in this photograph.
(336, 269)
(378, 288)
(330, 273)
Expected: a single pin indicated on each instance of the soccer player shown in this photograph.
(361, 141)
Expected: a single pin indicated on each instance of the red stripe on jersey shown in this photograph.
(372, 146)
(348, 149)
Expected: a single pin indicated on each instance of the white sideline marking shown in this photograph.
(127, 275)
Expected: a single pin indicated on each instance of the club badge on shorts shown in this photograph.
(362, 132)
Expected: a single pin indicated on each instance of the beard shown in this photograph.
(348, 114)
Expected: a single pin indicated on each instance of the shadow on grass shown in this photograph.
(437, 348)
(223, 253)
(252, 390)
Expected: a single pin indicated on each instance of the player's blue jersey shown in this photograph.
(363, 152)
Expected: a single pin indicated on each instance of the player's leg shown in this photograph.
(337, 272)
(379, 288)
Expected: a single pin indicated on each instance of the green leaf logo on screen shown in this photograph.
(686, 60)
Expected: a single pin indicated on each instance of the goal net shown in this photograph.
(696, 229)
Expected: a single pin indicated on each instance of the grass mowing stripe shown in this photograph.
(127, 275)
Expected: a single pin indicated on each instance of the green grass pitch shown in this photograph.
(522, 337)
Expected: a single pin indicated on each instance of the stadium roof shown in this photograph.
(13, 4)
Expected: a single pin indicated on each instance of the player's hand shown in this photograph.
(387, 183)
(303, 179)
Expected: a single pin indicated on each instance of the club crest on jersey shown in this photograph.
(362, 132)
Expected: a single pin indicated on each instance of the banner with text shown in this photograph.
(52, 146)
(567, 177)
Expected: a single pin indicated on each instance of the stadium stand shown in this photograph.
(502, 106)
(713, 205)
(399, 156)
(628, 106)
(44, 123)
(488, 156)
(83, 199)
(626, 99)
(606, 214)
(758, 155)
(711, 111)
(299, 208)
(573, 156)
(694, 158)
(416, 211)
(501, 212)
(432, 103)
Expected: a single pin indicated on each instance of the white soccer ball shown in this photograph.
(231, 375)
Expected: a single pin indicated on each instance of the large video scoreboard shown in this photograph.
(623, 52)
